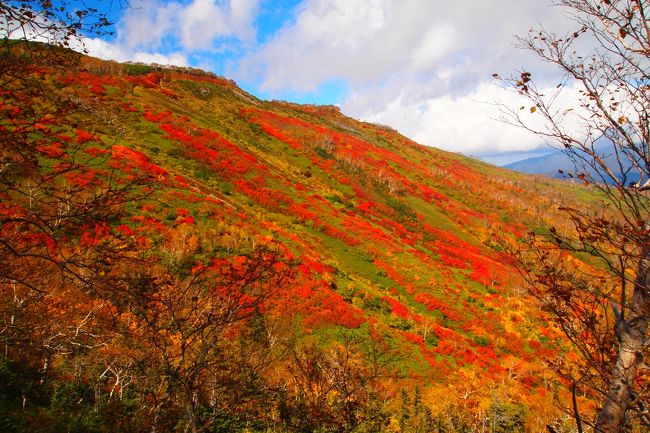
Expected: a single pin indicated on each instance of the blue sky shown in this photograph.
(421, 66)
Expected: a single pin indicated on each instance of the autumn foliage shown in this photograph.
(175, 255)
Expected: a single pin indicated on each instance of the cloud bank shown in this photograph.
(169, 32)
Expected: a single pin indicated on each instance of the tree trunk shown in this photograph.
(633, 337)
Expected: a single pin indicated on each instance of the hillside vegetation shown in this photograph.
(178, 255)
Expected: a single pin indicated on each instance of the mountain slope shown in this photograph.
(372, 291)
(559, 165)
(548, 165)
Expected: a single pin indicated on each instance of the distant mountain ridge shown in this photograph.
(547, 165)
(559, 166)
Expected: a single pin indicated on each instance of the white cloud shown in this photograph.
(470, 123)
(195, 25)
(436, 43)
(363, 40)
(152, 31)
(242, 16)
(351, 39)
(145, 24)
(98, 47)
(417, 65)
(176, 59)
(102, 49)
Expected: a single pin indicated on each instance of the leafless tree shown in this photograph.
(597, 114)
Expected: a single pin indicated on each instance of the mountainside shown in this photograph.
(558, 165)
(180, 254)
(548, 165)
